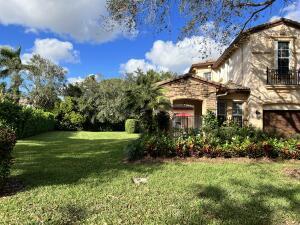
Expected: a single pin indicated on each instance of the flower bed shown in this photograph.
(215, 140)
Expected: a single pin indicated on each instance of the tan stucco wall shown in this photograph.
(248, 64)
(263, 56)
(236, 67)
(200, 72)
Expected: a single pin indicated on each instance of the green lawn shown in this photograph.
(80, 178)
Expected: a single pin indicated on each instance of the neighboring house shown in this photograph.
(255, 81)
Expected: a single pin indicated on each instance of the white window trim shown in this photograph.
(238, 115)
(276, 51)
(210, 74)
(276, 55)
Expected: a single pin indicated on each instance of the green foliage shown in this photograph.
(144, 99)
(88, 171)
(210, 122)
(36, 121)
(132, 126)
(106, 104)
(67, 116)
(44, 82)
(7, 143)
(136, 149)
(151, 145)
(11, 66)
(26, 121)
(163, 122)
(226, 141)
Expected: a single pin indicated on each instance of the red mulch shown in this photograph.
(208, 160)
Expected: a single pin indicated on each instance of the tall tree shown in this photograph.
(45, 82)
(222, 18)
(11, 66)
(87, 101)
(144, 99)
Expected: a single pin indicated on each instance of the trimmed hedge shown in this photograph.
(36, 121)
(132, 126)
(26, 121)
(7, 143)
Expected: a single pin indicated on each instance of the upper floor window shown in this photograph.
(207, 75)
(283, 57)
(237, 113)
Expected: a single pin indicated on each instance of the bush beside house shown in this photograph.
(7, 143)
(215, 140)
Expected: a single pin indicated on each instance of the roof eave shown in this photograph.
(252, 30)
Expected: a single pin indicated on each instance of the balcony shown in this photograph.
(283, 77)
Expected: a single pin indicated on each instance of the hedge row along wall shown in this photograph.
(26, 121)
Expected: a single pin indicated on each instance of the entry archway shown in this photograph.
(187, 113)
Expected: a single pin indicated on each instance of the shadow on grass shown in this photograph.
(60, 158)
(217, 206)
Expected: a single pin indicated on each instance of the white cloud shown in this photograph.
(134, 64)
(74, 80)
(55, 50)
(175, 57)
(6, 46)
(80, 79)
(80, 19)
(292, 12)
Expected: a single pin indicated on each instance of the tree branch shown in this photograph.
(252, 4)
(256, 12)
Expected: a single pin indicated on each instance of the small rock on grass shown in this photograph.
(140, 180)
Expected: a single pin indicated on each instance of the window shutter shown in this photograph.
(276, 55)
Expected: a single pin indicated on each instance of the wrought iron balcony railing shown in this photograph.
(283, 77)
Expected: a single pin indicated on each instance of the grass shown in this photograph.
(80, 178)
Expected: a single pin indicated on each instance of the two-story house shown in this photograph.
(255, 81)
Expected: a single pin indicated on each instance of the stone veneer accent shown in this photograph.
(194, 89)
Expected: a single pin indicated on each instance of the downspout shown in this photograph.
(220, 95)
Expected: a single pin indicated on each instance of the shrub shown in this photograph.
(215, 140)
(132, 126)
(189, 146)
(162, 119)
(160, 145)
(26, 121)
(67, 116)
(135, 150)
(36, 121)
(7, 143)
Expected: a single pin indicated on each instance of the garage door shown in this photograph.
(283, 121)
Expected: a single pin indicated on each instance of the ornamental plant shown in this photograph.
(7, 143)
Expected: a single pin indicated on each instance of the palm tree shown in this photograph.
(11, 66)
(145, 99)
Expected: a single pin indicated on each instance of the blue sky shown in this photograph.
(66, 33)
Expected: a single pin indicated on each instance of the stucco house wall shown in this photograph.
(201, 72)
(235, 68)
(240, 73)
(247, 66)
(262, 56)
